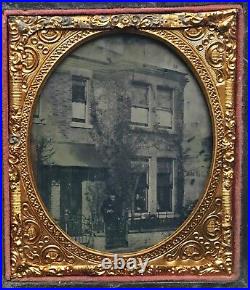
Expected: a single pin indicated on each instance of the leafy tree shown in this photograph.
(115, 141)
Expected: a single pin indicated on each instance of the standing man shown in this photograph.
(115, 229)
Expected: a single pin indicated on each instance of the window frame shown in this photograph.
(147, 160)
(135, 83)
(87, 76)
(172, 198)
(158, 108)
(86, 123)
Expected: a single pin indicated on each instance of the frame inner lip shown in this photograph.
(214, 157)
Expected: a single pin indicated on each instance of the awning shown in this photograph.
(71, 154)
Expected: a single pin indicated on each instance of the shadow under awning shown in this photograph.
(70, 154)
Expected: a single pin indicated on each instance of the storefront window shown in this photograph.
(140, 185)
(164, 184)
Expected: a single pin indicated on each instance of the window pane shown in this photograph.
(140, 185)
(164, 196)
(164, 184)
(164, 118)
(164, 165)
(141, 199)
(163, 179)
(139, 165)
(139, 96)
(164, 98)
(78, 89)
(78, 112)
(139, 116)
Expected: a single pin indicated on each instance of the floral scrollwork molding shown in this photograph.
(203, 244)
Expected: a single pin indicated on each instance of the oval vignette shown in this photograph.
(121, 143)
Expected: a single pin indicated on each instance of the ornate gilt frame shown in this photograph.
(206, 38)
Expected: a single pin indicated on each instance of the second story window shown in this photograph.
(79, 99)
(164, 109)
(140, 105)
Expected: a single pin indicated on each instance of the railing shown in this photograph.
(84, 229)
(80, 228)
(152, 222)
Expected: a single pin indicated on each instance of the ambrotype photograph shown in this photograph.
(121, 143)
